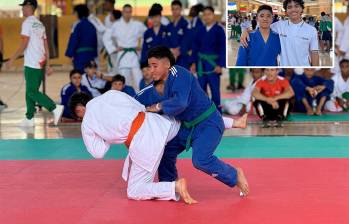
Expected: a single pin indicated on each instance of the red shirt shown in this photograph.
(269, 89)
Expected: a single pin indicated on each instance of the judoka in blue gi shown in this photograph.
(176, 32)
(154, 36)
(195, 23)
(202, 125)
(208, 55)
(264, 45)
(82, 45)
(69, 89)
(311, 92)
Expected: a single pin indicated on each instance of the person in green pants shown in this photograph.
(236, 78)
(36, 55)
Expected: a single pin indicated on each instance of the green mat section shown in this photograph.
(230, 147)
(323, 118)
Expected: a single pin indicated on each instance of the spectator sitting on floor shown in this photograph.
(272, 94)
(287, 73)
(94, 80)
(340, 97)
(69, 89)
(147, 77)
(312, 92)
(242, 104)
(118, 83)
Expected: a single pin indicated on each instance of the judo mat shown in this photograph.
(292, 180)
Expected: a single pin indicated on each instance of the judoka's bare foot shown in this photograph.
(310, 112)
(241, 122)
(318, 112)
(182, 189)
(242, 182)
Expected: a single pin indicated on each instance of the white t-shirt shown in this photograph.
(34, 54)
(340, 86)
(297, 41)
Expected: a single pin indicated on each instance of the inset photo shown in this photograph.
(280, 33)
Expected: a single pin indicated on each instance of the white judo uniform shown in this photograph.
(340, 86)
(108, 120)
(128, 62)
(343, 41)
(235, 105)
(100, 28)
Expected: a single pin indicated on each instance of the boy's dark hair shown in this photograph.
(157, 6)
(286, 2)
(127, 6)
(79, 98)
(176, 2)
(118, 78)
(116, 14)
(210, 8)
(343, 61)
(110, 1)
(265, 7)
(323, 14)
(74, 71)
(82, 11)
(144, 64)
(196, 9)
(154, 12)
(91, 64)
(160, 52)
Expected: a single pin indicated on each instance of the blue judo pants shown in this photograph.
(205, 139)
(301, 93)
(213, 81)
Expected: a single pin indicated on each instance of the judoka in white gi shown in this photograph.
(339, 100)
(243, 103)
(117, 118)
(128, 33)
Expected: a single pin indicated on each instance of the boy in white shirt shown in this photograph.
(36, 55)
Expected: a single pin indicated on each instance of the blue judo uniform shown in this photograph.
(299, 84)
(208, 51)
(67, 91)
(82, 45)
(129, 90)
(176, 34)
(258, 52)
(185, 100)
(151, 39)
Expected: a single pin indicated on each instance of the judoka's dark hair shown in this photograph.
(343, 61)
(144, 64)
(286, 2)
(210, 8)
(160, 52)
(78, 99)
(127, 6)
(196, 9)
(323, 14)
(111, 1)
(176, 2)
(82, 11)
(91, 64)
(74, 71)
(118, 78)
(116, 14)
(265, 7)
(154, 12)
(157, 6)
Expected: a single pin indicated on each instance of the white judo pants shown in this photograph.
(141, 185)
(133, 76)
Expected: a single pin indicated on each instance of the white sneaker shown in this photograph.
(57, 114)
(27, 123)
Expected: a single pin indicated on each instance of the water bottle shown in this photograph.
(314, 104)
